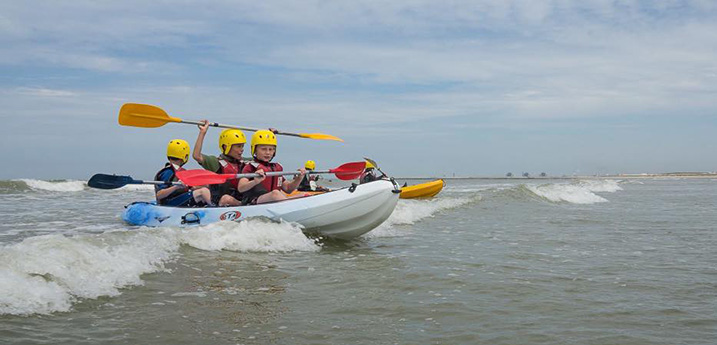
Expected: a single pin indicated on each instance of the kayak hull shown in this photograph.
(343, 214)
(423, 190)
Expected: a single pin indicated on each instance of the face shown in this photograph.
(176, 161)
(236, 151)
(265, 152)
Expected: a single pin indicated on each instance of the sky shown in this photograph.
(425, 88)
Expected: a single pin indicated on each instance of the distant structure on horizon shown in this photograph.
(542, 174)
(510, 174)
(525, 174)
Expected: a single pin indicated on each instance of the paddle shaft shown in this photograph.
(280, 173)
(156, 182)
(106, 181)
(214, 124)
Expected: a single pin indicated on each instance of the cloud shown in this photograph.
(40, 92)
(398, 69)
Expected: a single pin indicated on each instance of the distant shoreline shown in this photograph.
(620, 176)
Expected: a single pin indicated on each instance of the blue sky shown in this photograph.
(426, 88)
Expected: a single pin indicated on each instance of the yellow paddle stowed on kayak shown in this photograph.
(423, 190)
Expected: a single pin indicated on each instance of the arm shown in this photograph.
(163, 193)
(164, 190)
(245, 184)
(197, 153)
(290, 186)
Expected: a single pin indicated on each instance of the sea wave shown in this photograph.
(46, 274)
(565, 193)
(576, 192)
(22, 185)
(410, 211)
(605, 186)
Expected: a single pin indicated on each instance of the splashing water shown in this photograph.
(45, 274)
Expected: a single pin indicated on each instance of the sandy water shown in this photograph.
(486, 262)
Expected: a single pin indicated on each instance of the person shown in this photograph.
(369, 174)
(309, 182)
(231, 146)
(263, 189)
(178, 195)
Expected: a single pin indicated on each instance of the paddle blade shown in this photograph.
(199, 177)
(347, 176)
(144, 115)
(373, 162)
(320, 136)
(349, 171)
(104, 181)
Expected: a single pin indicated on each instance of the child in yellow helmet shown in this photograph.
(309, 182)
(369, 174)
(264, 189)
(231, 146)
(177, 195)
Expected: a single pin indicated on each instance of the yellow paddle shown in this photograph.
(149, 116)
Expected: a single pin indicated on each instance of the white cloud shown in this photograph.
(373, 67)
(40, 92)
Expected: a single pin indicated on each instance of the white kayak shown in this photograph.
(344, 213)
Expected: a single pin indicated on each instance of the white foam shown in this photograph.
(480, 188)
(566, 193)
(252, 235)
(410, 211)
(63, 186)
(598, 186)
(46, 274)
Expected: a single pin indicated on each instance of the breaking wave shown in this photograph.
(410, 211)
(21, 185)
(24, 185)
(576, 192)
(46, 274)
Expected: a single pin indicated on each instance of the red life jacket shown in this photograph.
(226, 167)
(270, 182)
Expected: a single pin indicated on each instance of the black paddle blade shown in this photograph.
(104, 181)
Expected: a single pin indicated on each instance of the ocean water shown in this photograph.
(485, 262)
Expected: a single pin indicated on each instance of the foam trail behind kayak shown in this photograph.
(46, 274)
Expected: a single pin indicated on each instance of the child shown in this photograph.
(308, 183)
(231, 146)
(369, 174)
(262, 189)
(172, 195)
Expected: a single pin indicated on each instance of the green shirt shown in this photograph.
(210, 163)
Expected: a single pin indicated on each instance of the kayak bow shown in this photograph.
(423, 190)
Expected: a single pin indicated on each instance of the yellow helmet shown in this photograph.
(178, 148)
(262, 137)
(310, 165)
(229, 137)
(369, 165)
